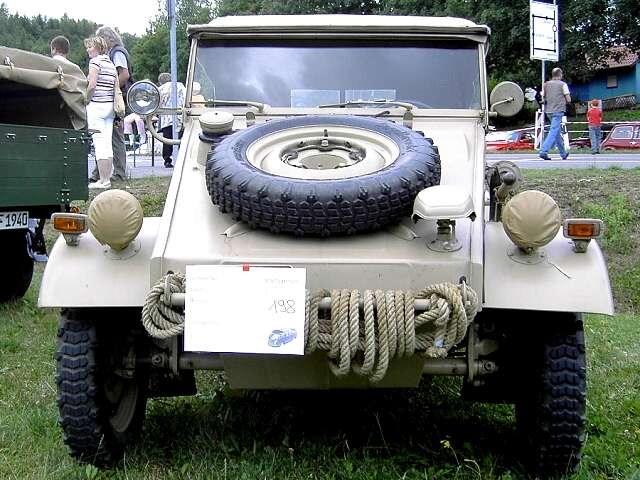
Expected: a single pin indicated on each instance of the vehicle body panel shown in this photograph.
(374, 260)
(311, 372)
(42, 166)
(583, 287)
(91, 275)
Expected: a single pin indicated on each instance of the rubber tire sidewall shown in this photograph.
(554, 387)
(321, 207)
(84, 409)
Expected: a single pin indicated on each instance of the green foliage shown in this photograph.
(428, 432)
(151, 54)
(588, 28)
(36, 33)
(629, 282)
(618, 215)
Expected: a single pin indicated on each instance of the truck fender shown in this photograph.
(564, 281)
(92, 275)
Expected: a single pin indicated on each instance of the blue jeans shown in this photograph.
(554, 137)
(595, 135)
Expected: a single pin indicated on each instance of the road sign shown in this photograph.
(543, 25)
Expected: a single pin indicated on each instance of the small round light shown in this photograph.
(143, 97)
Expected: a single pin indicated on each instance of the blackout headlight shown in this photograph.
(143, 97)
(531, 219)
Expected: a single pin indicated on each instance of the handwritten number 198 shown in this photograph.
(283, 306)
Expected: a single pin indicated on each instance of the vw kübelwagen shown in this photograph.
(350, 148)
(43, 156)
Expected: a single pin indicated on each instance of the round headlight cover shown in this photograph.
(531, 219)
(143, 97)
(115, 218)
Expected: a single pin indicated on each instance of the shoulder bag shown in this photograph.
(118, 100)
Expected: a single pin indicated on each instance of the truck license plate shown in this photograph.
(13, 220)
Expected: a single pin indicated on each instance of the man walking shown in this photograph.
(556, 96)
(120, 58)
(594, 117)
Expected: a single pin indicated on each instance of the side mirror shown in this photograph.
(506, 99)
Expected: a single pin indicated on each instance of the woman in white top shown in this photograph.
(102, 77)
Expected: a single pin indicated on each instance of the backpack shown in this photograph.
(130, 81)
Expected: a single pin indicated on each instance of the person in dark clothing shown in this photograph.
(166, 121)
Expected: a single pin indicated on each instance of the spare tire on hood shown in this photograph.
(321, 175)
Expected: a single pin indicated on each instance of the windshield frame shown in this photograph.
(481, 53)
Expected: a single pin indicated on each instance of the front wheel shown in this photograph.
(101, 394)
(18, 265)
(551, 410)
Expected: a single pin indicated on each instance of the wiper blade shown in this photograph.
(210, 103)
(406, 105)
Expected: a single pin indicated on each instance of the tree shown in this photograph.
(151, 54)
(588, 29)
(35, 33)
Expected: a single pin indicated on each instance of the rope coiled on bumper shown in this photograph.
(160, 320)
(363, 340)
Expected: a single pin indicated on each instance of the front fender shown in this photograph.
(508, 284)
(90, 275)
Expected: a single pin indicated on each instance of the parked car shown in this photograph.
(623, 136)
(522, 139)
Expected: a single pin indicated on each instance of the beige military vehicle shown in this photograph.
(334, 163)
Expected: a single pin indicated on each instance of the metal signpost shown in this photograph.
(544, 45)
(171, 9)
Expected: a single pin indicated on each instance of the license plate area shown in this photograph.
(14, 220)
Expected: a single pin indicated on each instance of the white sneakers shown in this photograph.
(100, 185)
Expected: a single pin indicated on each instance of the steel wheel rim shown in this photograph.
(298, 152)
(123, 398)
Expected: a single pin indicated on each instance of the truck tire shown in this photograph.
(321, 175)
(18, 265)
(101, 410)
(551, 411)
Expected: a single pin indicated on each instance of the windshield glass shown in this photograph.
(308, 73)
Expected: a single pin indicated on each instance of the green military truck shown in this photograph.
(43, 156)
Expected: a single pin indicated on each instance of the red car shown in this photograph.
(522, 139)
(623, 136)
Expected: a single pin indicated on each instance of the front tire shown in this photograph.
(551, 411)
(101, 394)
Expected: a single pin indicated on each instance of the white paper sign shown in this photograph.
(234, 308)
(543, 24)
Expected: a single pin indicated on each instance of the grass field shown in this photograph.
(425, 434)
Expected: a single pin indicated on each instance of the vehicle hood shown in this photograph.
(194, 231)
